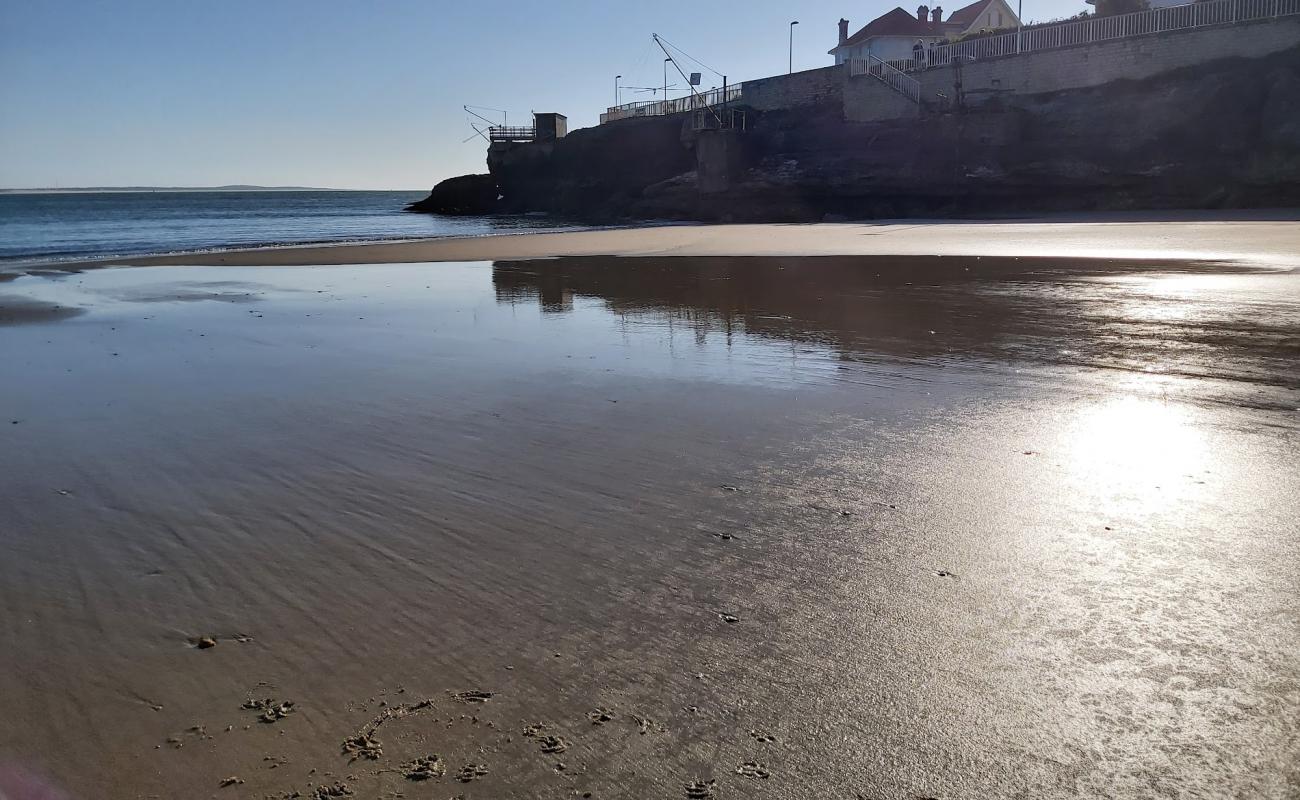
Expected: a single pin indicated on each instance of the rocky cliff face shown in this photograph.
(1223, 134)
(466, 195)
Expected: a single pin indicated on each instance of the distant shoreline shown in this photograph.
(189, 189)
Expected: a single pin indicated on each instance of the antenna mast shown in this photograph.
(687, 80)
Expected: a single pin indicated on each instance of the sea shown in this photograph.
(49, 227)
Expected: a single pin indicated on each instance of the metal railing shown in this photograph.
(890, 75)
(1100, 29)
(677, 105)
(728, 119)
(502, 133)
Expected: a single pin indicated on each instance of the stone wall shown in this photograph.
(792, 91)
(1095, 64)
(868, 99)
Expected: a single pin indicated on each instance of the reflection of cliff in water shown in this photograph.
(1148, 317)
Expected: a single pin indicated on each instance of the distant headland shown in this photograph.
(238, 187)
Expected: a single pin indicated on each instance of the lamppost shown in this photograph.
(792, 24)
(667, 61)
(617, 97)
(1020, 22)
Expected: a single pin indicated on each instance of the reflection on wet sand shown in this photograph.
(21, 310)
(654, 528)
(1219, 323)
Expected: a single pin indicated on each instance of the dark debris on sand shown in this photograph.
(272, 711)
(425, 768)
(322, 793)
(363, 745)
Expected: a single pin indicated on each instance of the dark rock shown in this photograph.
(1223, 134)
(467, 195)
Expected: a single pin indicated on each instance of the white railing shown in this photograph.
(677, 105)
(884, 71)
(1100, 29)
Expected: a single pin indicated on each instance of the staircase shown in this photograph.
(887, 74)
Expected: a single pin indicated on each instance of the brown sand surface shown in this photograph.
(679, 527)
(1271, 237)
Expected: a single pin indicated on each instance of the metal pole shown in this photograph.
(1020, 21)
(791, 68)
(666, 60)
(617, 97)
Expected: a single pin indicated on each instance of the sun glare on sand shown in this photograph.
(1140, 453)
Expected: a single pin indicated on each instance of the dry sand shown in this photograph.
(1251, 236)
(672, 528)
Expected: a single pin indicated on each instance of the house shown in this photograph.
(1151, 5)
(896, 35)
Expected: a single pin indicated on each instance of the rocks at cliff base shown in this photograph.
(466, 195)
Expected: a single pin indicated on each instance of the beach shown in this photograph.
(1256, 236)
(900, 510)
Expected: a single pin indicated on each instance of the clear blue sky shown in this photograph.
(347, 93)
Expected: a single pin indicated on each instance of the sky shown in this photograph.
(350, 94)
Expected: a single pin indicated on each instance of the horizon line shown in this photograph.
(217, 188)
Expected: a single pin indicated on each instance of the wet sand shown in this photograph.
(679, 527)
(1248, 236)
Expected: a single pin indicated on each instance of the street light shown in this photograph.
(792, 24)
(1020, 22)
(617, 97)
(667, 61)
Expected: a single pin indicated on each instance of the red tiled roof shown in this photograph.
(965, 17)
(898, 23)
(901, 23)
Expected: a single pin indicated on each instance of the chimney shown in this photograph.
(923, 13)
(937, 14)
(844, 31)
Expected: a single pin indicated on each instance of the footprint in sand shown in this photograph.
(700, 790)
(209, 642)
(536, 730)
(426, 768)
(471, 772)
(193, 732)
(599, 716)
(553, 744)
(753, 769)
(760, 736)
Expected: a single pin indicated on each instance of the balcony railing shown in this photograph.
(501, 133)
(677, 105)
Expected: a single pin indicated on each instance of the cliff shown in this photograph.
(1224, 133)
